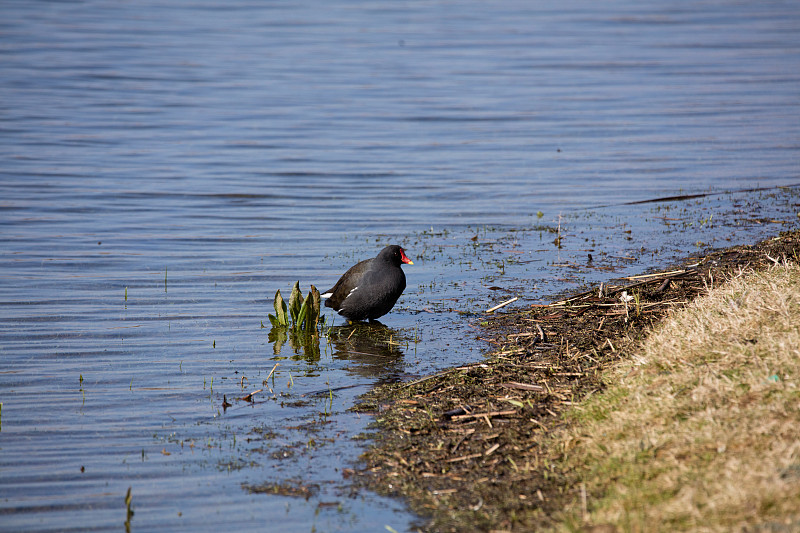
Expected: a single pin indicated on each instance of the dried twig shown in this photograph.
(498, 306)
(249, 397)
(484, 415)
(271, 371)
(657, 275)
(522, 386)
(464, 458)
(266, 380)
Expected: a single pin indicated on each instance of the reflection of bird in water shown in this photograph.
(372, 346)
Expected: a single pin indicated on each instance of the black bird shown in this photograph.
(369, 289)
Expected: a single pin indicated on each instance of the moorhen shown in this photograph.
(369, 289)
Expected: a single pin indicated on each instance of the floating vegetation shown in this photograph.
(293, 488)
(128, 502)
(235, 464)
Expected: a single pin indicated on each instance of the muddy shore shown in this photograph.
(470, 448)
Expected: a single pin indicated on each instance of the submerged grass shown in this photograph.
(700, 430)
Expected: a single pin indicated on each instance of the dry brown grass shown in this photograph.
(701, 430)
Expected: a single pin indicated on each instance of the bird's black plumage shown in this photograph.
(369, 289)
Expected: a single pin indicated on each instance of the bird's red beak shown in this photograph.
(404, 258)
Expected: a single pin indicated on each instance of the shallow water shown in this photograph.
(167, 169)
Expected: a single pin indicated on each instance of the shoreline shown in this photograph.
(475, 448)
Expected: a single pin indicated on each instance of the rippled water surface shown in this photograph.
(166, 168)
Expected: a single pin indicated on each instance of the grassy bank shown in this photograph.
(700, 429)
(594, 413)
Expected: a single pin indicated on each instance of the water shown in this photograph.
(165, 169)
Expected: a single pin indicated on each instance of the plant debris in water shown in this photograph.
(468, 447)
(293, 488)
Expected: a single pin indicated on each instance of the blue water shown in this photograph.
(165, 169)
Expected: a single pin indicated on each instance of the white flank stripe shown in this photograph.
(354, 289)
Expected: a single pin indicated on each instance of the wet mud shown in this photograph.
(468, 448)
